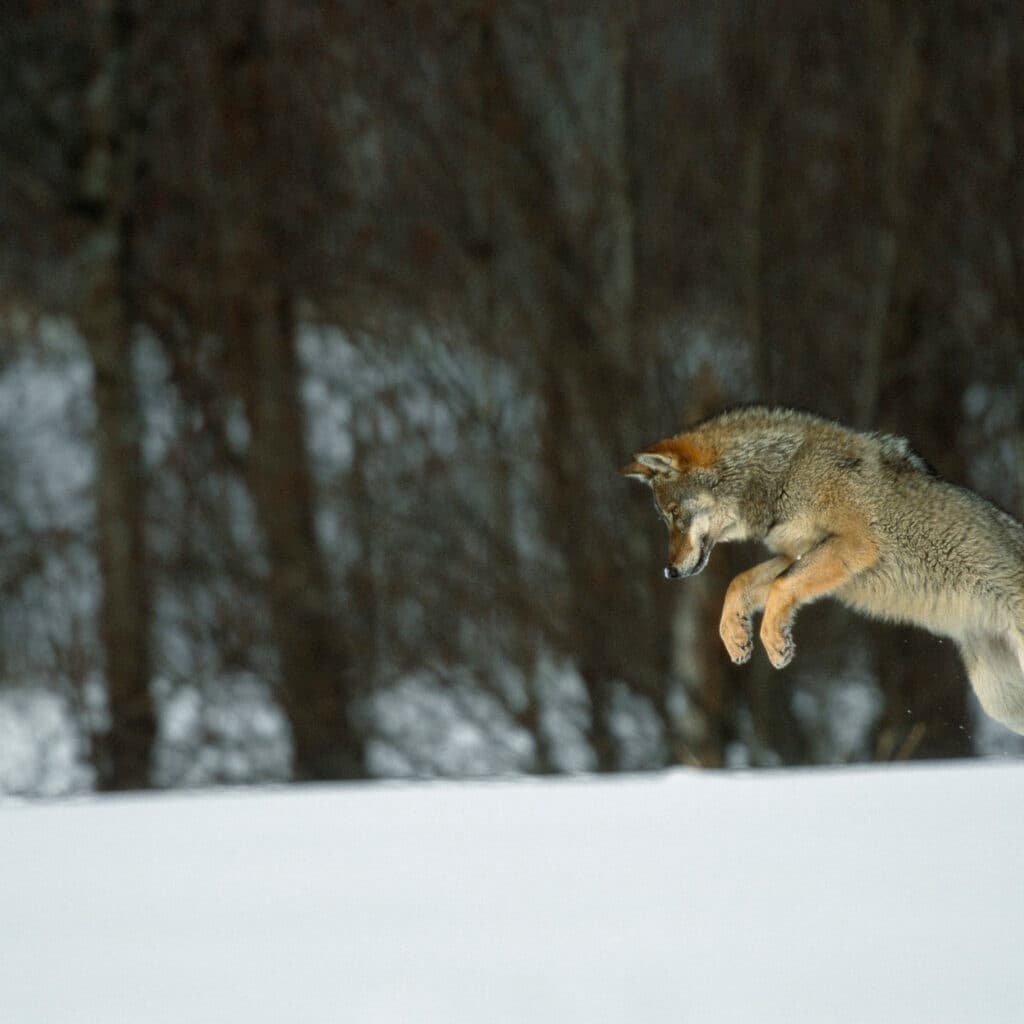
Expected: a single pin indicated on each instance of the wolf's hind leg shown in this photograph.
(745, 598)
(995, 667)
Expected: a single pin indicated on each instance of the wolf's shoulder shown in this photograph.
(892, 451)
(756, 416)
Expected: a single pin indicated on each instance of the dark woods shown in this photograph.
(352, 311)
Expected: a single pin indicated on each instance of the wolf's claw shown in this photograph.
(738, 638)
(779, 646)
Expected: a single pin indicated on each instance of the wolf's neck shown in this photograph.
(761, 467)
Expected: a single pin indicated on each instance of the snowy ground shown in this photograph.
(890, 894)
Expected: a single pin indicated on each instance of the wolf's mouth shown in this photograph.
(705, 553)
(672, 573)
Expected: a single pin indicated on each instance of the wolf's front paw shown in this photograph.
(778, 643)
(738, 637)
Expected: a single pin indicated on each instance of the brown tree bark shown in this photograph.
(105, 317)
(588, 362)
(316, 686)
(259, 326)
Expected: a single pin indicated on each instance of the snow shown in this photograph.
(874, 894)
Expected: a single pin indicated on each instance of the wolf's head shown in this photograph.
(682, 475)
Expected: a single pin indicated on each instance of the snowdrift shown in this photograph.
(890, 894)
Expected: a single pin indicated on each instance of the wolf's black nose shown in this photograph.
(672, 573)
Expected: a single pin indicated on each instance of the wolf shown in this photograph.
(856, 516)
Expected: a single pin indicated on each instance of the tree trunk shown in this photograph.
(105, 314)
(125, 753)
(316, 687)
(259, 323)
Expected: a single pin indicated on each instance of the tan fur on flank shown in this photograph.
(856, 516)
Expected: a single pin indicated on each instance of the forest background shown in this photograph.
(326, 326)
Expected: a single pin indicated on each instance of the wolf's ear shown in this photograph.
(638, 471)
(647, 465)
(660, 462)
(673, 455)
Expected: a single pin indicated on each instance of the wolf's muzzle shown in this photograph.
(673, 572)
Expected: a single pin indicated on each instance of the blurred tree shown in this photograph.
(515, 242)
(256, 179)
(107, 316)
(72, 148)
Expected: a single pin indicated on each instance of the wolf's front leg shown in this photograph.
(746, 597)
(823, 569)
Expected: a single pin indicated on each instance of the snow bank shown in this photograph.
(879, 894)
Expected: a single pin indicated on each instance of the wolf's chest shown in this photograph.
(794, 537)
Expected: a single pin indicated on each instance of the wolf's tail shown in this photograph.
(995, 667)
